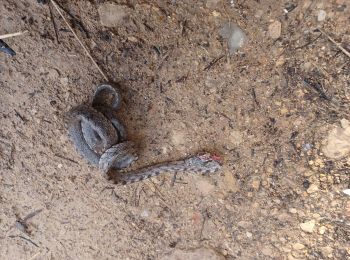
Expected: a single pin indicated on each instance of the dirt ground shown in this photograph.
(276, 111)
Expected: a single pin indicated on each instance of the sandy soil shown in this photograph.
(274, 111)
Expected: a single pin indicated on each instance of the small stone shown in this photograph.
(255, 183)
(249, 235)
(337, 143)
(322, 230)
(346, 192)
(111, 15)
(327, 251)
(293, 210)
(267, 251)
(177, 138)
(275, 29)
(308, 226)
(313, 188)
(235, 138)
(230, 182)
(145, 213)
(132, 39)
(298, 246)
(321, 16)
(234, 35)
(216, 13)
(59, 166)
(280, 61)
(64, 81)
(204, 186)
(53, 74)
(259, 13)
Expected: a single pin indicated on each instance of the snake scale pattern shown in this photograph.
(101, 139)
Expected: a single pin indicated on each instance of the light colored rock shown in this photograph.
(267, 250)
(322, 230)
(337, 143)
(327, 251)
(321, 16)
(275, 29)
(255, 183)
(177, 137)
(234, 35)
(235, 138)
(196, 254)
(249, 235)
(64, 81)
(308, 226)
(298, 246)
(216, 13)
(346, 192)
(112, 15)
(313, 188)
(259, 13)
(293, 210)
(230, 182)
(204, 186)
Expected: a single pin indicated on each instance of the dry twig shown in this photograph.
(77, 38)
(336, 44)
(9, 35)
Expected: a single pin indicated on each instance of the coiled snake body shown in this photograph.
(101, 139)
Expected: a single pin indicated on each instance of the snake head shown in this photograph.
(208, 157)
(206, 163)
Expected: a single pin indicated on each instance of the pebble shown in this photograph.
(64, 81)
(293, 210)
(275, 29)
(327, 251)
(234, 35)
(230, 183)
(111, 15)
(298, 246)
(249, 235)
(255, 183)
(322, 230)
(216, 13)
(132, 39)
(177, 138)
(346, 192)
(321, 16)
(204, 186)
(337, 143)
(313, 188)
(267, 251)
(235, 138)
(308, 226)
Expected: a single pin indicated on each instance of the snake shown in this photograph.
(101, 138)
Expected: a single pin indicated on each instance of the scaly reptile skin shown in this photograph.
(101, 139)
(202, 164)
